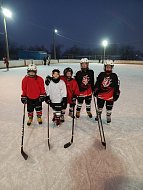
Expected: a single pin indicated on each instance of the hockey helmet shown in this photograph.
(55, 71)
(84, 63)
(68, 69)
(108, 62)
(32, 67)
(84, 60)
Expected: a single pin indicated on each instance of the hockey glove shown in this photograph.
(116, 96)
(47, 100)
(42, 98)
(48, 80)
(24, 99)
(64, 102)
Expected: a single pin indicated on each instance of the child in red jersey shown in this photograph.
(33, 93)
(72, 88)
(107, 89)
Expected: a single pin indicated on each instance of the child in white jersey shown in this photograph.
(57, 96)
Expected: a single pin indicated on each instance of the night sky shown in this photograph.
(80, 22)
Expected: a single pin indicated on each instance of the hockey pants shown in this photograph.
(34, 104)
(109, 106)
(80, 101)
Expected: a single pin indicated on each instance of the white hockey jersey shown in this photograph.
(56, 91)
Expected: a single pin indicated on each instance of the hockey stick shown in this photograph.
(25, 156)
(48, 128)
(100, 125)
(73, 119)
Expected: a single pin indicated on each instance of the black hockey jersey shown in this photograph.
(85, 80)
(107, 85)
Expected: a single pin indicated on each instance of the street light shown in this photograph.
(105, 44)
(6, 13)
(54, 43)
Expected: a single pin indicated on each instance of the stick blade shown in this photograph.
(104, 144)
(25, 156)
(67, 145)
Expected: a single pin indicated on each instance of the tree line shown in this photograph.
(113, 51)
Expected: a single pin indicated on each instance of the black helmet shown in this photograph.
(55, 71)
(68, 69)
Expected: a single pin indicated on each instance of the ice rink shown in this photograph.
(85, 165)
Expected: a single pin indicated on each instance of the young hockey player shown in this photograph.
(72, 88)
(33, 93)
(57, 96)
(85, 80)
(107, 89)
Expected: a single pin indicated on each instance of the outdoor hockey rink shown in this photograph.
(85, 165)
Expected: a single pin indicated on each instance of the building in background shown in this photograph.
(35, 55)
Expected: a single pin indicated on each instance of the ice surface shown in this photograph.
(85, 165)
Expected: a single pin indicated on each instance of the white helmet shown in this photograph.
(32, 67)
(84, 60)
(109, 62)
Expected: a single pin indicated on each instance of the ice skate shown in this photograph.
(108, 118)
(89, 114)
(39, 119)
(62, 118)
(71, 114)
(56, 120)
(77, 114)
(96, 118)
(29, 122)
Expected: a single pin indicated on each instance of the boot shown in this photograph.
(39, 119)
(77, 114)
(29, 121)
(89, 114)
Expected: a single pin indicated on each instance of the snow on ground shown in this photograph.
(85, 165)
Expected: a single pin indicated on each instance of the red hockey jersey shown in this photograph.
(33, 87)
(72, 88)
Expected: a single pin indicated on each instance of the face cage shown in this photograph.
(65, 73)
(112, 66)
(85, 63)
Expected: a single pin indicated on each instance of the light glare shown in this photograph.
(105, 43)
(7, 12)
(56, 31)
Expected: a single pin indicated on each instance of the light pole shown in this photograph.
(105, 44)
(6, 13)
(54, 43)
